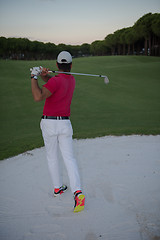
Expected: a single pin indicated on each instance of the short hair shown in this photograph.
(66, 67)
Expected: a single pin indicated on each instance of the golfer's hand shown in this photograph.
(36, 71)
(44, 72)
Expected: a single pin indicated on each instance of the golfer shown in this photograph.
(56, 126)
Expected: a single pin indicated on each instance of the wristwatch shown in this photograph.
(35, 77)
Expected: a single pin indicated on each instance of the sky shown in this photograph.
(70, 21)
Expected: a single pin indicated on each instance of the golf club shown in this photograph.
(106, 80)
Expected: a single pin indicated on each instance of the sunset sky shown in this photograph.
(70, 21)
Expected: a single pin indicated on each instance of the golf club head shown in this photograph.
(106, 80)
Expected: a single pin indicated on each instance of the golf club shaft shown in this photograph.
(106, 81)
(81, 74)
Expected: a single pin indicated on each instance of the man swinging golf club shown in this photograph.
(56, 126)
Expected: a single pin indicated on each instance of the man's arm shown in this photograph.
(38, 93)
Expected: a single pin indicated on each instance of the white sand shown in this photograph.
(121, 181)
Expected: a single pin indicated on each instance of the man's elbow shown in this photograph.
(37, 98)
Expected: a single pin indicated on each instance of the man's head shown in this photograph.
(64, 61)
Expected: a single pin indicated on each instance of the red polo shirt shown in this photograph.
(62, 87)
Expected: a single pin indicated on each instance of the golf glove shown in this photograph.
(36, 71)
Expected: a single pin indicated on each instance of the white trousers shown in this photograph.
(59, 133)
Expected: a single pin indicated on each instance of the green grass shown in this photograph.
(130, 104)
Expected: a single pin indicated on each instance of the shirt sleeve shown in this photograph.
(51, 85)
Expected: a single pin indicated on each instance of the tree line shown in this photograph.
(142, 38)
